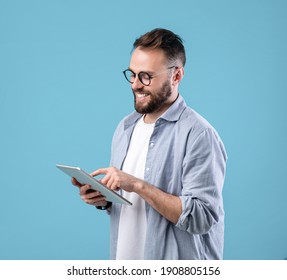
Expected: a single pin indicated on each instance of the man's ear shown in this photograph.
(177, 76)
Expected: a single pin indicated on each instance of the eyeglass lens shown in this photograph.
(144, 77)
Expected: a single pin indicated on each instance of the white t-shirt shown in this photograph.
(132, 225)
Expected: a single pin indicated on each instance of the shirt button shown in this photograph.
(147, 169)
(151, 144)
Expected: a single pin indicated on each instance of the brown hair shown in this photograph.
(166, 40)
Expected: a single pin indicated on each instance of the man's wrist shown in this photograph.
(109, 204)
(140, 187)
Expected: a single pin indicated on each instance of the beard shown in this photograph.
(157, 99)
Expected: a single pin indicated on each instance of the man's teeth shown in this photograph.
(141, 95)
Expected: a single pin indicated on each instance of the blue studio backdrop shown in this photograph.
(62, 93)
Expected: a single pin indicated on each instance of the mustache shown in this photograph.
(142, 91)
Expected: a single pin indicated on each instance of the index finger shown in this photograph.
(99, 172)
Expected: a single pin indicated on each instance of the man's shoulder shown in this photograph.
(197, 126)
(194, 120)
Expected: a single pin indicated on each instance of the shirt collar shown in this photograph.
(172, 114)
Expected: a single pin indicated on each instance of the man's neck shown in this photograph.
(153, 117)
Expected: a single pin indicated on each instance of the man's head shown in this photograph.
(165, 40)
(155, 70)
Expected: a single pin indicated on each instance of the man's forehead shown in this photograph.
(144, 59)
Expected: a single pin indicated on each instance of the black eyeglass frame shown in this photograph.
(140, 74)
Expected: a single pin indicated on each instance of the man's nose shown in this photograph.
(137, 84)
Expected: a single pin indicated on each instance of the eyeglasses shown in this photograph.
(144, 77)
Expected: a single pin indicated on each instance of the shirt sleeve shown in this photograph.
(202, 180)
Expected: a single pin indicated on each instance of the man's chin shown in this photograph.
(141, 107)
(141, 110)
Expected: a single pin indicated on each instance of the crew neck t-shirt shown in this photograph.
(132, 225)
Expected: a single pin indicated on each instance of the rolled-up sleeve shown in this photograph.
(203, 174)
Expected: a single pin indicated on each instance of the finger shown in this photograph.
(106, 180)
(113, 182)
(99, 172)
(84, 188)
(75, 182)
(93, 194)
(115, 186)
(93, 201)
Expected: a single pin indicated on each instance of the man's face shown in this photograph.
(152, 98)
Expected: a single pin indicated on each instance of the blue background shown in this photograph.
(62, 93)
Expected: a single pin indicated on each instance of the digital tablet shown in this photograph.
(84, 178)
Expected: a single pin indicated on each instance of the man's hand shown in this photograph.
(116, 179)
(166, 204)
(89, 195)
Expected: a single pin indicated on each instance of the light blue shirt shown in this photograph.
(186, 158)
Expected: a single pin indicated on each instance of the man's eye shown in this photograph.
(144, 75)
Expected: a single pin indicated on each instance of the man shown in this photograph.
(167, 160)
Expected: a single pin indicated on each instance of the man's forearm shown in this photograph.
(169, 206)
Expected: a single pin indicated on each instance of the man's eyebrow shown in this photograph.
(151, 73)
(131, 69)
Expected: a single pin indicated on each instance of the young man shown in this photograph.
(167, 160)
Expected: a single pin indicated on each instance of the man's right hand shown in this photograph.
(89, 195)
